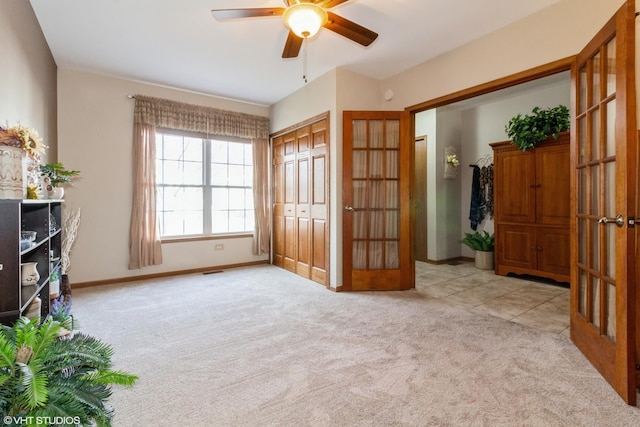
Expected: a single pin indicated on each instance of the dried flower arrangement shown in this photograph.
(22, 137)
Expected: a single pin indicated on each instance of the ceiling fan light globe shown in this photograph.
(305, 19)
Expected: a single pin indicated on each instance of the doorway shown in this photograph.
(470, 124)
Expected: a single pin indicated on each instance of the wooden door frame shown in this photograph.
(492, 86)
(413, 198)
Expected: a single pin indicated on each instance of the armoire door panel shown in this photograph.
(517, 247)
(555, 256)
(515, 182)
(552, 184)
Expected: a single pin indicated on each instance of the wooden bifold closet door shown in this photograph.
(300, 200)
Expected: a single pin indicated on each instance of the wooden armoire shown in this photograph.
(301, 199)
(531, 208)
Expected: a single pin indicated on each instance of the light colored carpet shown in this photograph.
(260, 346)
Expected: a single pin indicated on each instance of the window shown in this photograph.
(204, 186)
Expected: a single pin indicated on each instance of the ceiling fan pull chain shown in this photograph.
(304, 59)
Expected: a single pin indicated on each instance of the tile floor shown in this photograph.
(536, 303)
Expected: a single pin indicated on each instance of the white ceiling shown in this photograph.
(179, 44)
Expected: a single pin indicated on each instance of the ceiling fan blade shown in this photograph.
(327, 4)
(350, 29)
(292, 46)
(247, 13)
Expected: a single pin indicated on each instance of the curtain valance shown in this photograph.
(178, 115)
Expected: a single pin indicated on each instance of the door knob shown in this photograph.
(348, 208)
(618, 220)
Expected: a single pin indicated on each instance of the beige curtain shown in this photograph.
(157, 112)
(261, 196)
(144, 236)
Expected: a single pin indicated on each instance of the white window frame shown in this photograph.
(207, 186)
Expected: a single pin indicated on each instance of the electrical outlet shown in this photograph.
(219, 247)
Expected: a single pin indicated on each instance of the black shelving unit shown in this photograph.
(45, 218)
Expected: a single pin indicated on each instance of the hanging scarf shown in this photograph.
(476, 210)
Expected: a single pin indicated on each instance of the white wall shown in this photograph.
(95, 125)
(443, 129)
(28, 74)
(425, 124)
(448, 204)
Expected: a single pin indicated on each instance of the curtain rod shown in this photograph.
(131, 96)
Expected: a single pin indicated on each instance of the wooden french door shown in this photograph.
(604, 165)
(376, 201)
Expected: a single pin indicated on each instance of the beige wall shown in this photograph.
(556, 32)
(27, 73)
(95, 124)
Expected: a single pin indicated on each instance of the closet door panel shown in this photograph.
(290, 232)
(290, 243)
(300, 201)
(320, 237)
(278, 201)
(302, 216)
(302, 261)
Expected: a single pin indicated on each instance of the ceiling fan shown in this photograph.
(304, 18)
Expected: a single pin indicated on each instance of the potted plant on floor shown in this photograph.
(484, 245)
(63, 382)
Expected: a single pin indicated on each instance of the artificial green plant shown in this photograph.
(528, 130)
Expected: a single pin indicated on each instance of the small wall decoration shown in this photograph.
(451, 163)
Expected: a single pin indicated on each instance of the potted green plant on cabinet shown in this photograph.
(484, 245)
(63, 382)
(528, 130)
